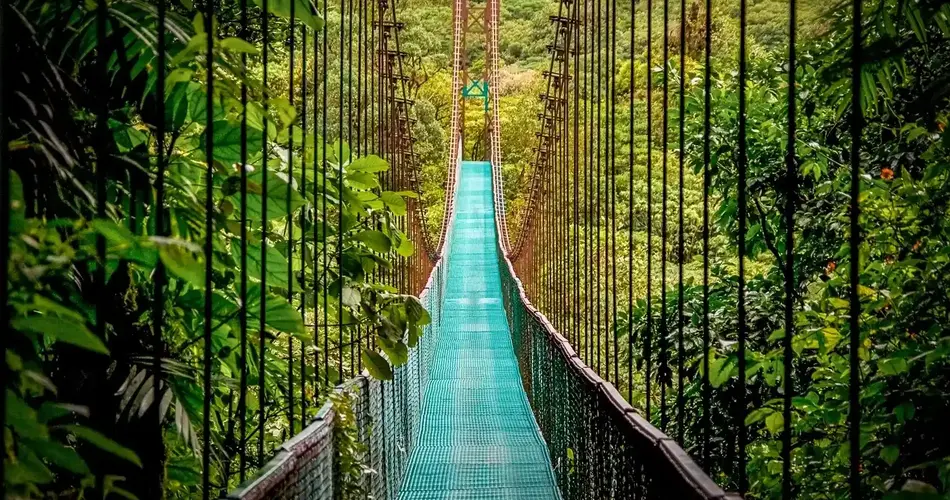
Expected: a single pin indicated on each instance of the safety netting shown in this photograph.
(600, 446)
(387, 416)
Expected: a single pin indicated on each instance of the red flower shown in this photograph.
(830, 267)
(887, 174)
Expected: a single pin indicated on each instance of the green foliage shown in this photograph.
(84, 400)
(351, 453)
(904, 342)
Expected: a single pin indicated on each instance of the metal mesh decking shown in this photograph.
(477, 436)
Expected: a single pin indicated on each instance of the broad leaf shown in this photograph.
(376, 365)
(377, 241)
(276, 264)
(61, 329)
(98, 440)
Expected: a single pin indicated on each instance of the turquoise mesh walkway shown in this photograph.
(478, 439)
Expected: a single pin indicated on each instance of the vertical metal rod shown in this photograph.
(319, 78)
(290, 225)
(707, 110)
(648, 343)
(242, 394)
(664, 370)
(102, 131)
(680, 253)
(360, 150)
(631, 160)
(158, 210)
(791, 173)
(613, 181)
(575, 226)
(208, 251)
(302, 222)
(323, 209)
(339, 234)
(598, 19)
(588, 260)
(5, 200)
(4, 234)
(262, 329)
(349, 159)
(743, 223)
(854, 308)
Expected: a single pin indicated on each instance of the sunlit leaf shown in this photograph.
(376, 365)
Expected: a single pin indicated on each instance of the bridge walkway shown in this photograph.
(478, 439)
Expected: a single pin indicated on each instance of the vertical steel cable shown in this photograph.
(680, 254)
(598, 20)
(588, 259)
(575, 226)
(261, 349)
(613, 179)
(302, 222)
(791, 173)
(101, 137)
(4, 234)
(339, 186)
(359, 137)
(563, 203)
(101, 154)
(242, 394)
(854, 306)
(158, 210)
(707, 111)
(290, 225)
(648, 343)
(664, 369)
(208, 252)
(318, 72)
(349, 159)
(323, 209)
(743, 223)
(630, 164)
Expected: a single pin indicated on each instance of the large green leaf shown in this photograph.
(57, 454)
(22, 419)
(180, 261)
(395, 202)
(98, 440)
(405, 247)
(123, 244)
(61, 329)
(226, 138)
(376, 365)
(368, 164)
(397, 351)
(277, 196)
(276, 264)
(416, 312)
(279, 314)
(377, 241)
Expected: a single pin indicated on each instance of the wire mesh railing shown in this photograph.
(600, 446)
(377, 421)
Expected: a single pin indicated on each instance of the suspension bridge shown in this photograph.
(521, 384)
(495, 402)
